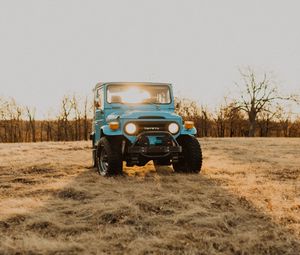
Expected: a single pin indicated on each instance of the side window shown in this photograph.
(100, 98)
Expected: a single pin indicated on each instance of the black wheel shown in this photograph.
(190, 160)
(109, 156)
(94, 150)
(94, 157)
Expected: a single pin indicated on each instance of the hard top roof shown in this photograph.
(100, 84)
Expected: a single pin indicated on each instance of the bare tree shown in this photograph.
(190, 110)
(186, 108)
(266, 119)
(258, 95)
(284, 119)
(85, 118)
(235, 120)
(31, 119)
(2, 108)
(66, 108)
(13, 114)
(77, 113)
(295, 128)
(3, 120)
(204, 121)
(220, 120)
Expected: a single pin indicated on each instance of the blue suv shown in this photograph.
(135, 123)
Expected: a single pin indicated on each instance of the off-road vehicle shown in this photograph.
(135, 123)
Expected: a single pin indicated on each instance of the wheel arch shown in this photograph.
(185, 131)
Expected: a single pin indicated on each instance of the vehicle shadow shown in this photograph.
(146, 212)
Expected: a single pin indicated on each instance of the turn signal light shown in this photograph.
(189, 124)
(114, 125)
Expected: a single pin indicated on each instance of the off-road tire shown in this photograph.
(190, 160)
(111, 147)
(94, 157)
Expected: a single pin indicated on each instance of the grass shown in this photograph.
(245, 201)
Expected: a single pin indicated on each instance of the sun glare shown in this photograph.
(134, 95)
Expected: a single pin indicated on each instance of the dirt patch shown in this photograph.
(285, 174)
(4, 225)
(27, 181)
(71, 193)
(153, 208)
(122, 215)
(44, 228)
(112, 217)
(37, 170)
(16, 220)
(5, 186)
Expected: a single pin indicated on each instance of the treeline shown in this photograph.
(256, 110)
(74, 123)
(229, 121)
(19, 124)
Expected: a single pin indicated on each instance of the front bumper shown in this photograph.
(142, 151)
(153, 150)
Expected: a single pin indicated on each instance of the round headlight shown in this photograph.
(130, 128)
(173, 128)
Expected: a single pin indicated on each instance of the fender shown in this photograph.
(185, 131)
(107, 131)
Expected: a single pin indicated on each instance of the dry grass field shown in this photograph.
(245, 201)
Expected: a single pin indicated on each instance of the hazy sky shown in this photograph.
(50, 48)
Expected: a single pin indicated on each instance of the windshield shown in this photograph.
(134, 94)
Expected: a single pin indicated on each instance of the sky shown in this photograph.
(49, 48)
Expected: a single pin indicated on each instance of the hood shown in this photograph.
(133, 114)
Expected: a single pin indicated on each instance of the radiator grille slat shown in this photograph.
(152, 126)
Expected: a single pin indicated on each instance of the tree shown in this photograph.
(66, 108)
(258, 95)
(85, 118)
(77, 113)
(220, 120)
(204, 122)
(235, 120)
(31, 118)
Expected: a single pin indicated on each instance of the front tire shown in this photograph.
(94, 158)
(190, 160)
(109, 156)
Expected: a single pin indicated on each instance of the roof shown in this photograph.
(130, 83)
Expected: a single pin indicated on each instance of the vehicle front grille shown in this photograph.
(144, 126)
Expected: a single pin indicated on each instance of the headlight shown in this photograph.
(173, 128)
(130, 128)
